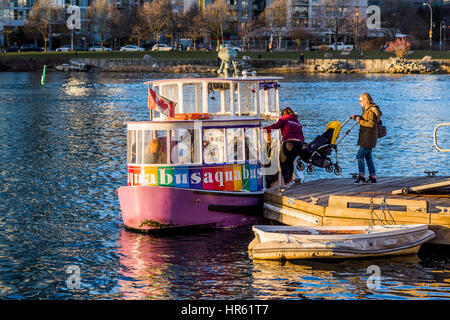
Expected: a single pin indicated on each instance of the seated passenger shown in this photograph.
(154, 153)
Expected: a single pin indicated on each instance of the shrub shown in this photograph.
(401, 47)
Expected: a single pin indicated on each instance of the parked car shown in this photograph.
(98, 47)
(131, 48)
(162, 47)
(341, 46)
(65, 48)
(227, 45)
(12, 49)
(185, 44)
(29, 48)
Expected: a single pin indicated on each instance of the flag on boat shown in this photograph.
(160, 104)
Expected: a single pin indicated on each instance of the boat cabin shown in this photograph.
(221, 152)
(241, 96)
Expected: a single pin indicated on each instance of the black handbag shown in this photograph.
(381, 129)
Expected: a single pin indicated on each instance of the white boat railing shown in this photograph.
(235, 97)
(435, 137)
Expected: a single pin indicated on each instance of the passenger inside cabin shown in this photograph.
(236, 149)
(154, 153)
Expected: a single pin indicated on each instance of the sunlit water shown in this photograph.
(63, 157)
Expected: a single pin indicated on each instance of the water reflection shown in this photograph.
(403, 277)
(205, 265)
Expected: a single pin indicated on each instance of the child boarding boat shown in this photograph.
(200, 162)
(291, 242)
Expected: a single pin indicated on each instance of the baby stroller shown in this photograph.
(318, 151)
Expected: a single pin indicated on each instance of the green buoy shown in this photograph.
(43, 75)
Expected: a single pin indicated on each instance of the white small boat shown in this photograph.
(292, 242)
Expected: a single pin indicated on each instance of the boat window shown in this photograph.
(235, 145)
(268, 97)
(213, 145)
(247, 102)
(170, 92)
(185, 146)
(251, 144)
(218, 97)
(154, 147)
(192, 98)
(131, 146)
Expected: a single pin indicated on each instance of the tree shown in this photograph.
(357, 24)
(195, 31)
(153, 16)
(42, 15)
(120, 25)
(337, 13)
(298, 33)
(174, 22)
(139, 30)
(274, 17)
(101, 13)
(215, 18)
(247, 31)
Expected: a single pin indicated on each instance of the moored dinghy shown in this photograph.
(292, 242)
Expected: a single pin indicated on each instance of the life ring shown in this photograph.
(192, 116)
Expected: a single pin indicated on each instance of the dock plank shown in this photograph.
(353, 207)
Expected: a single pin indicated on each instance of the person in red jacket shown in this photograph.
(293, 140)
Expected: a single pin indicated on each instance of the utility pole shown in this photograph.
(431, 23)
(442, 25)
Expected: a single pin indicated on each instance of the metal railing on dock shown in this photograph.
(435, 137)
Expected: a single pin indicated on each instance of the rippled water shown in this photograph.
(63, 157)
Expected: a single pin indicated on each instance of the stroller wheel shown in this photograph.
(310, 169)
(300, 165)
(329, 169)
(337, 170)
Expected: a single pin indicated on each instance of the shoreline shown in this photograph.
(261, 66)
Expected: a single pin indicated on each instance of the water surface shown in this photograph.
(63, 157)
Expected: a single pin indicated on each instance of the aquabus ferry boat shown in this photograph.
(199, 160)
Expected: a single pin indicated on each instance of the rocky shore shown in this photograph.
(148, 64)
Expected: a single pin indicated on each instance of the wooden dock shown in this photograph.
(338, 202)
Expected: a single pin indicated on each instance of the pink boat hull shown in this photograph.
(150, 208)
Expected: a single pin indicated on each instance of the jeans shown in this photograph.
(289, 151)
(365, 154)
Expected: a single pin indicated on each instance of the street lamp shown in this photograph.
(440, 34)
(431, 23)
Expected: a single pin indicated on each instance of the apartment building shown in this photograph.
(319, 16)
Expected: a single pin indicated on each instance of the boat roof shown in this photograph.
(216, 80)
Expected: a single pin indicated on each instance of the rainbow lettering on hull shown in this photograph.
(232, 177)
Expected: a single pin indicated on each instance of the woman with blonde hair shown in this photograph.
(368, 135)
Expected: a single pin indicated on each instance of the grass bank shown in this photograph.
(203, 55)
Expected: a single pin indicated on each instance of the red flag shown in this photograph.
(161, 104)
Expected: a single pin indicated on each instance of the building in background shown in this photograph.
(314, 15)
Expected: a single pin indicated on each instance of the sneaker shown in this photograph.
(360, 179)
(372, 180)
